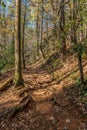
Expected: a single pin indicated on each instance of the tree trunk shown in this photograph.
(62, 30)
(37, 30)
(23, 36)
(81, 68)
(76, 42)
(0, 11)
(41, 46)
(18, 71)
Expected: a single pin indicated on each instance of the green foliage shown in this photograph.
(55, 63)
(84, 90)
(79, 48)
(3, 4)
(78, 81)
(7, 60)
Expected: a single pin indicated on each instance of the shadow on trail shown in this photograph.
(52, 81)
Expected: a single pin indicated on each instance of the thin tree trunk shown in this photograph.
(41, 46)
(79, 56)
(4, 34)
(62, 30)
(23, 36)
(0, 11)
(37, 30)
(81, 68)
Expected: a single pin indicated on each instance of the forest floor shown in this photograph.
(56, 106)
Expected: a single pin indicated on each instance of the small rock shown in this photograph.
(68, 121)
(65, 128)
(53, 119)
(12, 125)
(77, 113)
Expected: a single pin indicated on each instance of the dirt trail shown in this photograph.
(55, 108)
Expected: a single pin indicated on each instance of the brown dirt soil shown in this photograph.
(56, 107)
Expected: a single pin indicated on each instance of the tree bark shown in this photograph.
(41, 46)
(75, 41)
(18, 70)
(62, 30)
(38, 30)
(23, 37)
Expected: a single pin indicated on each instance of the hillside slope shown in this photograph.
(58, 102)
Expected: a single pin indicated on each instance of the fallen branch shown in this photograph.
(4, 85)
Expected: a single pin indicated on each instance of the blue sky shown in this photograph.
(7, 3)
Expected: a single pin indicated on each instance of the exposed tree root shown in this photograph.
(23, 91)
(12, 111)
(26, 89)
(56, 102)
(6, 84)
